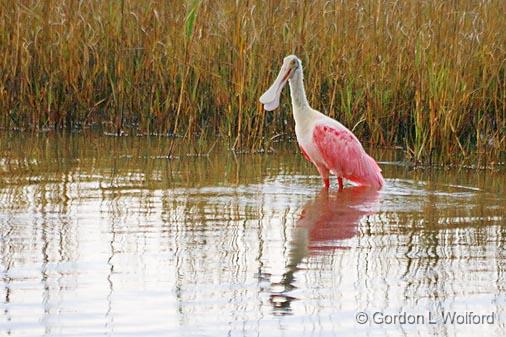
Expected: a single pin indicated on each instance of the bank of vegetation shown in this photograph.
(425, 75)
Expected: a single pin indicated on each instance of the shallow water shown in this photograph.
(106, 236)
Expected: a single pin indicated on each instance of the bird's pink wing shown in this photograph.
(343, 153)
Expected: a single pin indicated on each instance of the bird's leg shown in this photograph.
(340, 181)
(326, 182)
(324, 172)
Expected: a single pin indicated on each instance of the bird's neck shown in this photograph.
(300, 104)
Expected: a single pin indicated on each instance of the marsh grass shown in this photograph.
(425, 75)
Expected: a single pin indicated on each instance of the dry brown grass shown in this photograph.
(427, 75)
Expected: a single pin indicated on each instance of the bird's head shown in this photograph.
(291, 66)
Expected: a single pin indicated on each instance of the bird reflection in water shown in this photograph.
(323, 225)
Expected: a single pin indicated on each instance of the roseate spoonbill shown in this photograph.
(323, 141)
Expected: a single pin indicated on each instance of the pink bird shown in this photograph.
(323, 141)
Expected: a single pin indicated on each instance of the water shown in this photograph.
(106, 236)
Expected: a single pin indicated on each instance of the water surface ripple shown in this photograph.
(106, 236)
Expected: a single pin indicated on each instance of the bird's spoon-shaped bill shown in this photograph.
(270, 98)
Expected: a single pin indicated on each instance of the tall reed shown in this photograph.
(427, 75)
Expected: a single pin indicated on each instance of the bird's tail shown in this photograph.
(370, 174)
